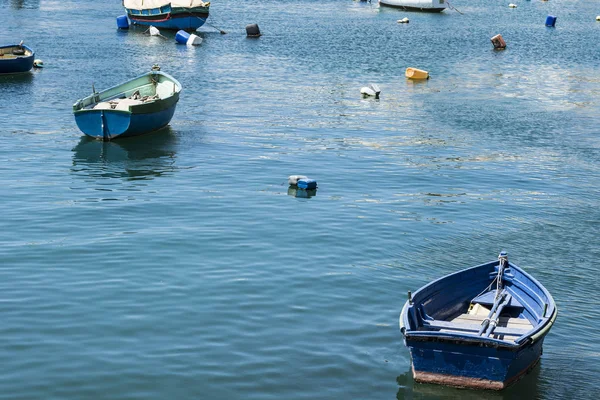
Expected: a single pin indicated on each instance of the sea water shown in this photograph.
(180, 265)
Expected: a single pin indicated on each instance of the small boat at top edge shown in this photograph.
(16, 58)
(141, 105)
(482, 327)
(168, 14)
(417, 5)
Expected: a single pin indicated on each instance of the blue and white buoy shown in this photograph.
(185, 38)
(122, 22)
(293, 179)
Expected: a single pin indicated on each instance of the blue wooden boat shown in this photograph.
(141, 105)
(482, 327)
(16, 58)
(168, 14)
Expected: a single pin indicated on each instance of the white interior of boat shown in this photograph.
(140, 95)
(6, 53)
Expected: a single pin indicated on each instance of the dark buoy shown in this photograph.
(122, 22)
(252, 30)
(498, 42)
(550, 20)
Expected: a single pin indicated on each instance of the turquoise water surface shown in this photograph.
(178, 265)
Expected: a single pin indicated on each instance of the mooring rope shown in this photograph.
(450, 6)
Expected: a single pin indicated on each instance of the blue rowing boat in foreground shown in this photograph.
(141, 105)
(168, 14)
(16, 58)
(482, 327)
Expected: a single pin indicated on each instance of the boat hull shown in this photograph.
(19, 64)
(186, 19)
(112, 124)
(466, 365)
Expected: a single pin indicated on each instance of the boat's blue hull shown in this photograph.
(18, 64)
(185, 23)
(111, 124)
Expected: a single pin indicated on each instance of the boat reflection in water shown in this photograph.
(141, 157)
(301, 193)
(18, 4)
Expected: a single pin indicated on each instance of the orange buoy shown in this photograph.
(414, 73)
(498, 42)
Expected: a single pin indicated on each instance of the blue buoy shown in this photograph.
(550, 20)
(182, 37)
(307, 184)
(122, 22)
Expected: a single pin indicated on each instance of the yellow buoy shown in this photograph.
(414, 73)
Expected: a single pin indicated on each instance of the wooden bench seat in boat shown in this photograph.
(465, 327)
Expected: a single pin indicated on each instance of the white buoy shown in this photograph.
(293, 179)
(371, 90)
(38, 63)
(154, 31)
(403, 21)
(598, 18)
(511, 5)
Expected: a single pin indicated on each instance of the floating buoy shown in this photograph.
(403, 21)
(414, 73)
(154, 31)
(293, 179)
(38, 63)
(182, 37)
(185, 38)
(307, 184)
(598, 18)
(122, 22)
(498, 42)
(550, 20)
(511, 5)
(371, 90)
(252, 30)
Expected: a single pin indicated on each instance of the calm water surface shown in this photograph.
(179, 266)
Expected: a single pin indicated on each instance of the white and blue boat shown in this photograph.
(417, 5)
(188, 15)
(482, 327)
(141, 105)
(16, 58)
